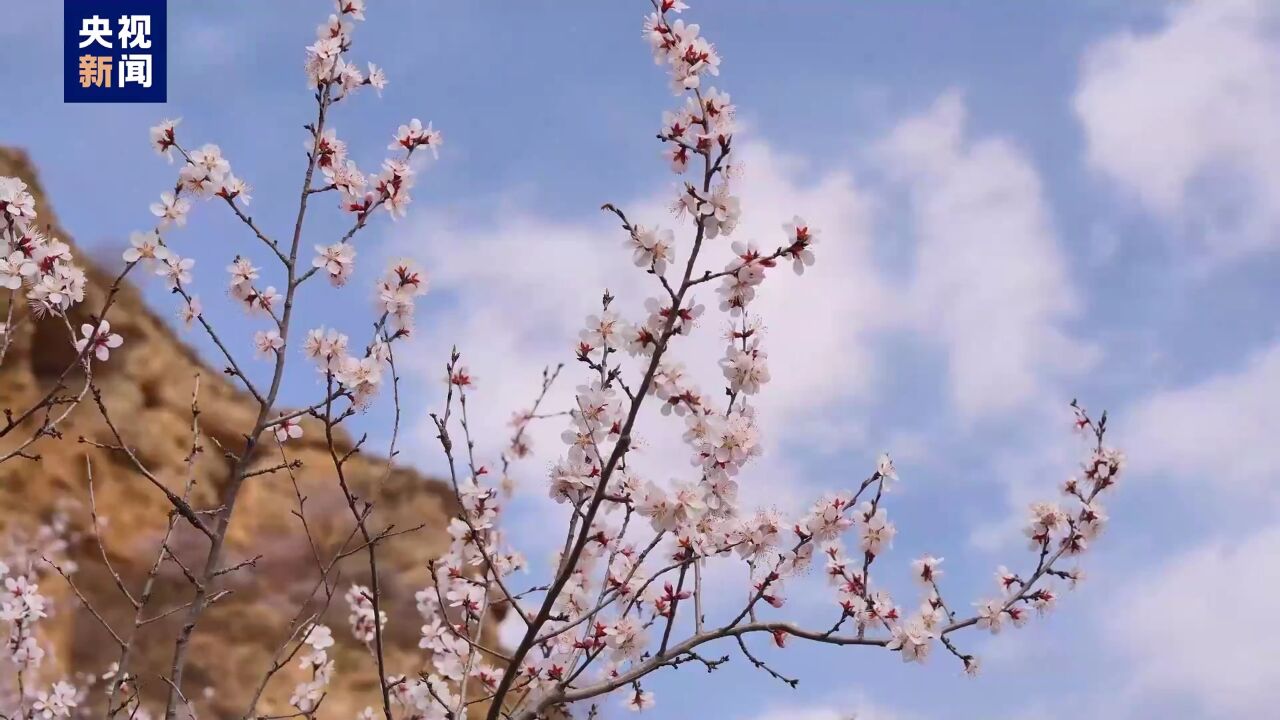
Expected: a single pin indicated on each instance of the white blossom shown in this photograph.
(101, 338)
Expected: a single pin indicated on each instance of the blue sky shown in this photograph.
(1021, 204)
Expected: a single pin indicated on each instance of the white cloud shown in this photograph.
(1202, 627)
(990, 282)
(1185, 117)
(1220, 430)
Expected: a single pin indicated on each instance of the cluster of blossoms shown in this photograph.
(608, 332)
(242, 288)
(38, 270)
(362, 194)
(325, 64)
(21, 608)
(328, 70)
(363, 625)
(360, 377)
(205, 174)
(31, 262)
(703, 128)
(308, 695)
(397, 291)
(680, 46)
(23, 556)
(457, 604)
(58, 702)
(454, 609)
(744, 273)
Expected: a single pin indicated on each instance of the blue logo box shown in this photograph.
(114, 51)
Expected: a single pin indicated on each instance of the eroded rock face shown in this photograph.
(147, 386)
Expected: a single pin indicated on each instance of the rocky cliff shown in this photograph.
(148, 385)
